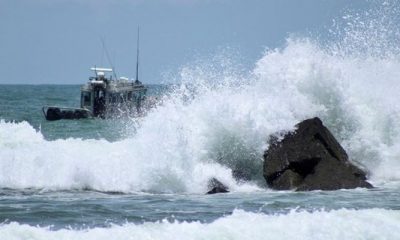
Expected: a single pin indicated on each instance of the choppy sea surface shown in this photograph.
(145, 178)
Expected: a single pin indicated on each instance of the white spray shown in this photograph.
(219, 120)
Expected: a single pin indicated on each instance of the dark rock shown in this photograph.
(288, 180)
(216, 186)
(310, 159)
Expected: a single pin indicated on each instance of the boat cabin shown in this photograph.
(105, 96)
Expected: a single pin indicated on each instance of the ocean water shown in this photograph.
(145, 178)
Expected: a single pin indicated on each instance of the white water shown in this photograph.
(340, 224)
(183, 143)
(224, 122)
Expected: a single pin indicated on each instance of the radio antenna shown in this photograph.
(108, 58)
(137, 56)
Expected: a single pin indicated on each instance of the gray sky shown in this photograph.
(57, 41)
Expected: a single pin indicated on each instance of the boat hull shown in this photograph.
(58, 113)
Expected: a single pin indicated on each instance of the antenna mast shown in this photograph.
(137, 56)
(108, 58)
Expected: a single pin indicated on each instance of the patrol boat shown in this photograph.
(103, 97)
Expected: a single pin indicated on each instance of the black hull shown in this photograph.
(58, 113)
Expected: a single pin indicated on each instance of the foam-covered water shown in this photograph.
(338, 224)
(218, 118)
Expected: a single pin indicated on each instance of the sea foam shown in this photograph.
(339, 224)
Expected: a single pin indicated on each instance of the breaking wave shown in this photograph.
(219, 119)
(339, 224)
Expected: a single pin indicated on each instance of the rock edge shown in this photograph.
(310, 158)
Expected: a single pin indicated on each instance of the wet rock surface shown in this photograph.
(310, 158)
(216, 186)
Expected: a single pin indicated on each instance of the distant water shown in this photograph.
(24, 103)
(145, 178)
